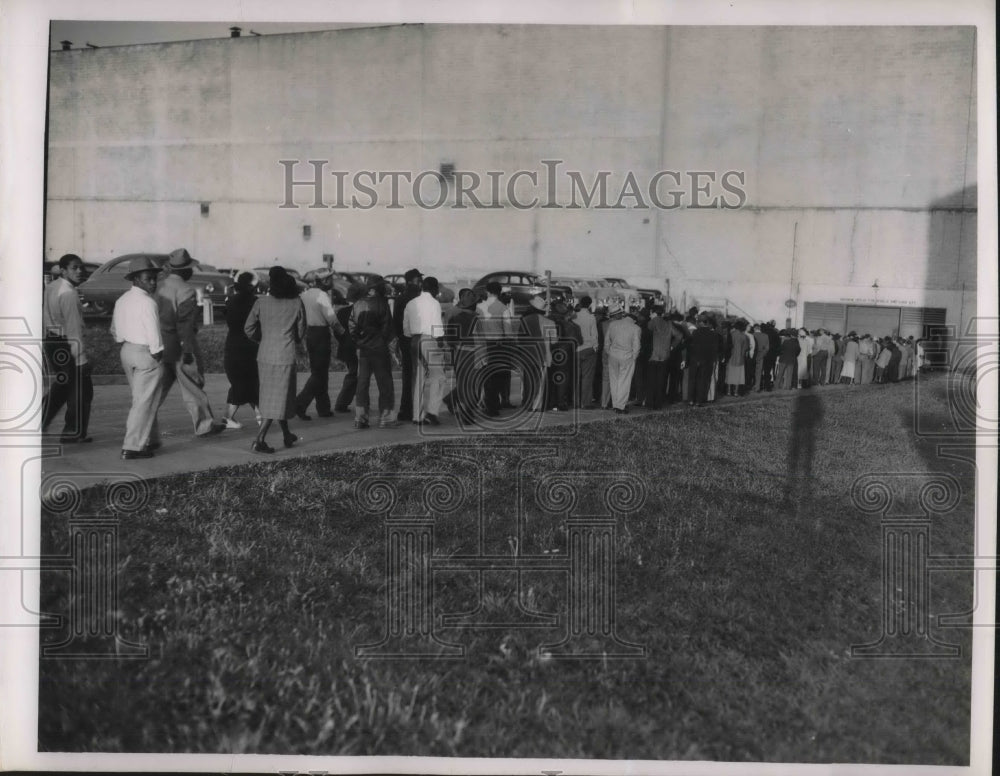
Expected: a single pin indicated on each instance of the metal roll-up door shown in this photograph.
(824, 315)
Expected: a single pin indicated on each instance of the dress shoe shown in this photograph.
(360, 424)
(290, 439)
(130, 455)
(325, 414)
(153, 446)
(303, 416)
(73, 440)
(432, 419)
(449, 403)
(386, 420)
(261, 447)
(506, 405)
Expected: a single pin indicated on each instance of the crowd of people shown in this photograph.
(566, 354)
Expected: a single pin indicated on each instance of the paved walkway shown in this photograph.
(182, 452)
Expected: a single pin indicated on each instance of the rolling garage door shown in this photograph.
(917, 322)
(877, 321)
(824, 315)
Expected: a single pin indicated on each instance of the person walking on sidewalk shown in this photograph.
(371, 327)
(240, 352)
(412, 290)
(278, 322)
(422, 323)
(320, 319)
(62, 321)
(135, 324)
(178, 305)
(347, 351)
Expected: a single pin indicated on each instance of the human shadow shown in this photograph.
(807, 415)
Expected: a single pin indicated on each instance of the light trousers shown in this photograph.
(144, 379)
(428, 376)
(620, 372)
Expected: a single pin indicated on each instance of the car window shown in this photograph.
(499, 277)
(120, 267)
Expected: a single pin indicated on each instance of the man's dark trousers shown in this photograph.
(72, 387)
(317, 386)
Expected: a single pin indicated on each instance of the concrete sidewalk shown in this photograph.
(182, 452)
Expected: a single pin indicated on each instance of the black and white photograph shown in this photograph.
(560, 389)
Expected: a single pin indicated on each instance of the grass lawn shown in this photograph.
(745, 582)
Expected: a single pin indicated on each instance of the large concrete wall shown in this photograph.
(857, 146)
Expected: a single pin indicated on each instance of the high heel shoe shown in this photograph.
(261, 447)
(290, 439)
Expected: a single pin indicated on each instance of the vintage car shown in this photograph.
(446, 292)
(631, 294)
(599, 290)
(264, 279)
(102, 289)
(522, 285)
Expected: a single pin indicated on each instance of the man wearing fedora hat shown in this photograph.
(622, 342)
(135, 324)
(320, 319)
(178, 305)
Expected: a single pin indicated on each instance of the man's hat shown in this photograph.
(537, 302)
(412, 274)
(141, 264)
(179, 259)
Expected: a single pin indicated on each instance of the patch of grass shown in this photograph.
(745, 580)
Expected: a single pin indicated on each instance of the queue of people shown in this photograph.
(567, 356)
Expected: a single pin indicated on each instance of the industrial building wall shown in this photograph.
(856, 148)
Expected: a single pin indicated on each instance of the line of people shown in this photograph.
(566, 356)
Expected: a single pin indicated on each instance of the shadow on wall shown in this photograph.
(951, 257)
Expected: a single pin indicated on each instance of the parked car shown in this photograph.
(50, 270)
(652, 295)
(598, 289)
(102, 289)
(264, 279)
(446, 293)
(522, 286)
(338, 283)
(627, 290)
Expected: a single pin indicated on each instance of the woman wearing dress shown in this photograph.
(278, 323)
(847, 374)
(240, 354)
(806, 345)
(738, 350)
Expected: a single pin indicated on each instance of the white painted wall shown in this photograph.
(860, 142)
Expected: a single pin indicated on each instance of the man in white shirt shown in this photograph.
(494, 331)
(136, 325)
(62, 319)
(320, 317)
(586, 353)
(423, 325)
(622, 343)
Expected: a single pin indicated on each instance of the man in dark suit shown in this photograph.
(178, 307)
(414, 282)
(704, 350)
